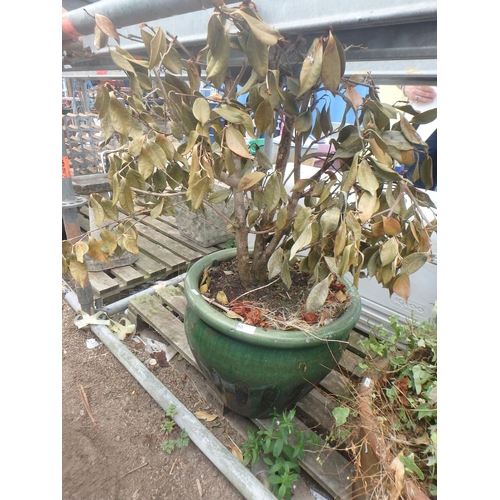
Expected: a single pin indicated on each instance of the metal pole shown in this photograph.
(70, 204)
(122, 304)
(125, 12)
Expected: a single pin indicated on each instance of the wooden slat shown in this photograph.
(150, 266)
(152, 311)
(185, 253)
(168, 219)
(336, 383)
(102, 283)
(128, 275)
(343, 383)
(171, 261)
(349, 363)
(318, 407)
(176, 302)
(356, 339)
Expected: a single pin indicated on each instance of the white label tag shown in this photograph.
(242, 327)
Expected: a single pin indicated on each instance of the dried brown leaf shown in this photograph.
(107, 27)
(203, 415)
(402, 286)
(237, 453)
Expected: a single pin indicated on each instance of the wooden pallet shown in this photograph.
(164, 253)
(164, 313)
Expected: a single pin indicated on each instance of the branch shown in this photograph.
(180, 44)
(232, 92)
(87, 406)
(254, 290)
(162, 195)
(414, 200)
(396, 203)
(133, 470)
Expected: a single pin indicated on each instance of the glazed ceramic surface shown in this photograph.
(257, 370)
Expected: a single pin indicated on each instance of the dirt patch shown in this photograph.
(121, 456)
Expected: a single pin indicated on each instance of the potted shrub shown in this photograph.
(354, 214)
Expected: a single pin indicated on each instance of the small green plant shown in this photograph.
(411, 350)
(169, 445)
(281, 446)
(404, 400)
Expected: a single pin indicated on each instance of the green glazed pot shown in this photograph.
(256, 370)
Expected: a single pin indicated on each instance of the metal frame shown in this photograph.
(400, 36)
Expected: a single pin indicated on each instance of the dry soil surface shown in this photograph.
(115, 452)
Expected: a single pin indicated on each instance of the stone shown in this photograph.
(206, 229)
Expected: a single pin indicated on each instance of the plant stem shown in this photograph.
(255, 289)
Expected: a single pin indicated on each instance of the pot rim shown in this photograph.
(333, 332)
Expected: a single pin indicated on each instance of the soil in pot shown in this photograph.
(273, 305)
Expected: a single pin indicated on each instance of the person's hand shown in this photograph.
(420, 93)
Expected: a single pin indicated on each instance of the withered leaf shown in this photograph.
(100, 39)
(264, 116)
(392, 227)
(203, 415)
(236, 142)
(402, 287)
(95, 250)
(274, 264)
(80, 249)
(331, 71)
(249, 180)
(78, 270)
(262, 31)
(311, 67)
(157, 48)
(318, 294)
(201, 110)
(98, 211)
(414, 262)
(107, 27)
(222, 298)
(354, 96)
(367, 206)
(108, 241)
(121, 119)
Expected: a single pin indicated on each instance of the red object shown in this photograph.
(66, 172)
(68, 28)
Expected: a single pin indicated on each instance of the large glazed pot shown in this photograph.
(256, 370)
